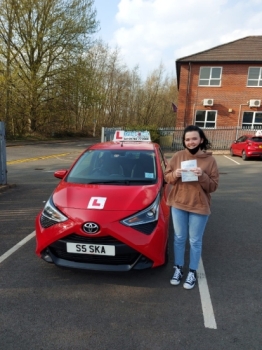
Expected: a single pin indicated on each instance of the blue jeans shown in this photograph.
(186, 223)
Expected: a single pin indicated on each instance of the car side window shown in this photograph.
(241, 139)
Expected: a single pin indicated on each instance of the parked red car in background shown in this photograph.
(247, 146)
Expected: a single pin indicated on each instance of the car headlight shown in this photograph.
(52, 213)
(145, 216)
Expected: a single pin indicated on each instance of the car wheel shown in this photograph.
(244, 156)
(231, 152)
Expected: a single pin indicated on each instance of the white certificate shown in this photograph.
(187, 175)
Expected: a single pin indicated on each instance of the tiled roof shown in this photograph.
(248, 49)
(245, 49)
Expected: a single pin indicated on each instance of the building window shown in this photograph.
(254, 76)
(210, 76)
(206, 119)
(252, 120)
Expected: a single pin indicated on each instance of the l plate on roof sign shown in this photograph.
(121, 135)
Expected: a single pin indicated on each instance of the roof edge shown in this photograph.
(215, 47)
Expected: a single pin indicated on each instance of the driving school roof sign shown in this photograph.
(121, 135)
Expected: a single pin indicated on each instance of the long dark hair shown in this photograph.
(205, 144)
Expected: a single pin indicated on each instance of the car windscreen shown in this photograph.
(123, 167)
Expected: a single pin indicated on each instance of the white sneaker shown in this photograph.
(178, 274)
(190, 280)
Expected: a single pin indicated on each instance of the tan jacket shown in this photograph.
(192, 196)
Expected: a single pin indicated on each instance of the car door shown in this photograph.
(240, 145)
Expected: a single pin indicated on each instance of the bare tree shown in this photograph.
(42, 36)
(54, 78)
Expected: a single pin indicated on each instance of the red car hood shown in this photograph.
(112, 198)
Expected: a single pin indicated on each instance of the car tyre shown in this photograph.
(244, 156)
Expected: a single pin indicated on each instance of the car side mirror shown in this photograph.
(60, 174)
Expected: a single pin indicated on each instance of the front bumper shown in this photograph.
(125, 258)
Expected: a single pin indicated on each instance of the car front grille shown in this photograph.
(96, 259)
(125, 255)
(89, 240)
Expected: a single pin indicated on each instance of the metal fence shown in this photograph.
(220, 138)
(171, 138)
(107, 134)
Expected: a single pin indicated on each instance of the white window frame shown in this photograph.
(258, 80)
(253, 125)
(210, 77)
(203, 123)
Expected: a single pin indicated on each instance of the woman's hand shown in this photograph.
(177, 172)
(197, 171)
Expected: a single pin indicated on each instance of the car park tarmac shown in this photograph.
(68, 309)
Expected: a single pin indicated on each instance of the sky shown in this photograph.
(148, 33)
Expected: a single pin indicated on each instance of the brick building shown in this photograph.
(222, 86)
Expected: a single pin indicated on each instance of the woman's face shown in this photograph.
(192, 139)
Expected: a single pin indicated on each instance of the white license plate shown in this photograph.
(95, 249)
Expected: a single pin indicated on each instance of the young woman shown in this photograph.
(192, 181)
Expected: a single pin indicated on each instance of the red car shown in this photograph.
(109, 210)
(247, 146)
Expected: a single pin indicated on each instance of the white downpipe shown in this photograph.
(239, 115)
(193, 117)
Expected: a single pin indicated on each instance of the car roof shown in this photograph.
(125, 145)
(251, 136)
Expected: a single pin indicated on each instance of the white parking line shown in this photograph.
(16, 247)
(232, 160)
(208, 313)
